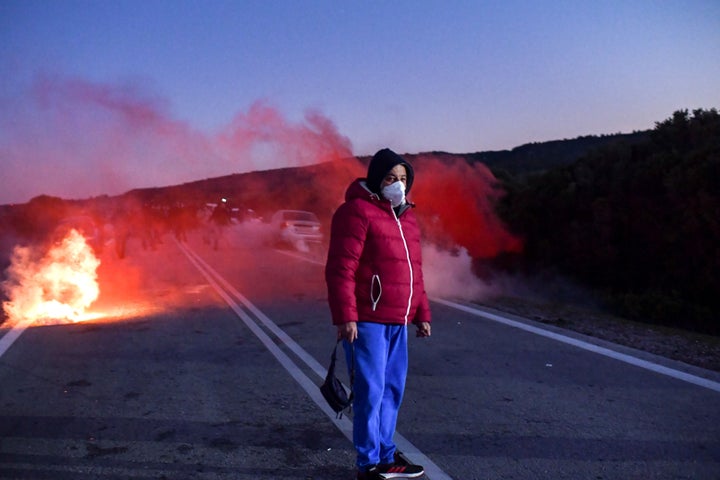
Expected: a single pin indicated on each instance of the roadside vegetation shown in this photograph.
(636, 220)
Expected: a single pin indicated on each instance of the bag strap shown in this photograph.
(331, 370)
(352, 371)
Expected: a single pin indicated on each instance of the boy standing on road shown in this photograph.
(375, 288)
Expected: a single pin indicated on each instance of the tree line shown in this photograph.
(637, 220)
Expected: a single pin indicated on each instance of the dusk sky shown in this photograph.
(101, 97)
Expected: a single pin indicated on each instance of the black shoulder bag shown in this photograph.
(334, 391)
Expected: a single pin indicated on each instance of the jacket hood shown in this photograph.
(382, 162)
(359, 189)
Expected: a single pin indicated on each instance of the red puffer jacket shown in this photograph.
(374, 265)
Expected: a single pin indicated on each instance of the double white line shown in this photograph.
(232, 297)
(13, 334)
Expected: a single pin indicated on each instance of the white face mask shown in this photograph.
(395, 192)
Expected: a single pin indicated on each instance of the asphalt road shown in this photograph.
(207, 366)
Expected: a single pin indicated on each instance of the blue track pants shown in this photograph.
(381, 363)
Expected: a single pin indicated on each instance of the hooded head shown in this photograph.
(382, 162)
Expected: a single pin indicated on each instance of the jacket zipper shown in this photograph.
(407, 255)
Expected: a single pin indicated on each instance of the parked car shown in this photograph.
(297, 228)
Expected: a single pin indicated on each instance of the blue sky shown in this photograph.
(457, 76)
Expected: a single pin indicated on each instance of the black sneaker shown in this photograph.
(398, 459)
(399, 471)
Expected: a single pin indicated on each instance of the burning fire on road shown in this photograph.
(53, 286)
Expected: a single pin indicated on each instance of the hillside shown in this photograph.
(539, 157)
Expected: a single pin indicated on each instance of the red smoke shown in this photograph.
(75, 139)
(456, 201)
(266, 139)
(72, 138)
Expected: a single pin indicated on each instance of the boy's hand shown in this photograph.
(423, 329)
(348, 331)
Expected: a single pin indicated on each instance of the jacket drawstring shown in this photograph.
(373, 298)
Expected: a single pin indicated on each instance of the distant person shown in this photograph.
(180, 218)
(147, 226)
(375, 288)
(122, 220)
(219, 219)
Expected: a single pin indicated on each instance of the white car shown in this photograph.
(297, 228)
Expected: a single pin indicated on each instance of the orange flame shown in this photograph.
(53, 288)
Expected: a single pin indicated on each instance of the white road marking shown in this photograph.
(224, 289)
(654, 367)
(300, 256)
(13, 334)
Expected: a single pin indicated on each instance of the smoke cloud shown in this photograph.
(449, 275)
(72, 138)
(77, 139)
(457, 202)
(456, 205)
